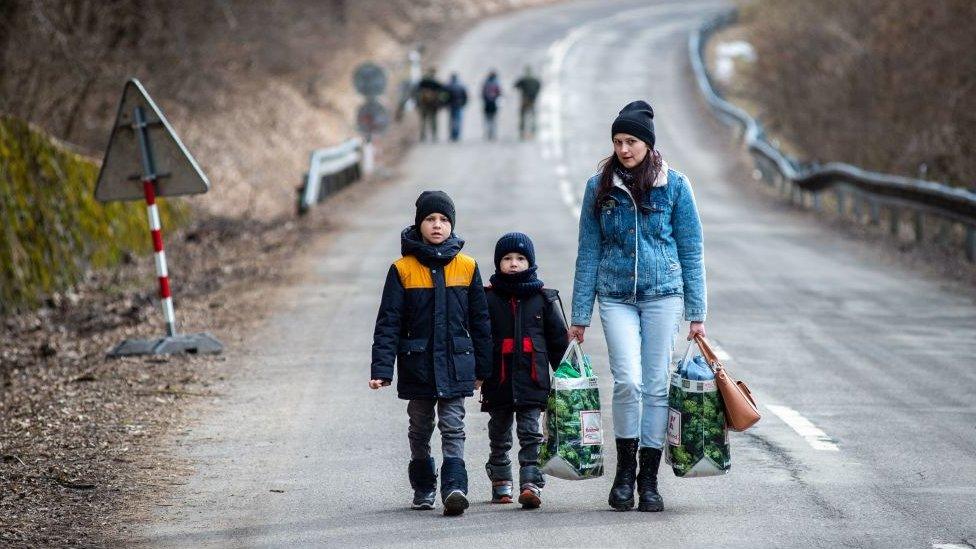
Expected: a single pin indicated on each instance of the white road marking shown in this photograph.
(551, 99)
(942, 545)
(814, 436)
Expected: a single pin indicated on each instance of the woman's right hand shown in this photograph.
(576, 332)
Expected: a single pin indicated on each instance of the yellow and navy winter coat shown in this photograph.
(433, 321)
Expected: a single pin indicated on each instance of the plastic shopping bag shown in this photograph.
(698, 440)
(573, 428)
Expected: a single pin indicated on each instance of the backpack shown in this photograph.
(430, 98)
(492, 91)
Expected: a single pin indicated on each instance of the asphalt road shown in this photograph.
(865, 369)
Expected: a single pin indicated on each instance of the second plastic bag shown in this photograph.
(573, 428)
(698, 440)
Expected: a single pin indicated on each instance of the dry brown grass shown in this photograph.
(889, 85)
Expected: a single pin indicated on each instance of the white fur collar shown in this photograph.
(660, 181)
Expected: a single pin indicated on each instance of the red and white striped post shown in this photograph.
(165, 295)
(149, 178)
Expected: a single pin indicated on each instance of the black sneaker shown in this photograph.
(423, 500)
(455, 503)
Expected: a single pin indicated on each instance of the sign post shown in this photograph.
(372, 117)
(143, 148)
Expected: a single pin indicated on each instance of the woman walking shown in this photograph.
(640, 252)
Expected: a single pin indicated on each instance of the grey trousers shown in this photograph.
(529, 432)
(450, 422)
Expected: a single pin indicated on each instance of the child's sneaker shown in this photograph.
(501, 491)
(455, 503)
(531, 496)
(423, 500)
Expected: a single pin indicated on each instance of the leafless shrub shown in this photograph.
(886, 84)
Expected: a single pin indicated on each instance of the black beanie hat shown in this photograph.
(519, 243)
(434, 202)
(637, 119)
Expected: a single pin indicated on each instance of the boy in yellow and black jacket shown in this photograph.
(433, 323)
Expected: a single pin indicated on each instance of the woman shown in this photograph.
(640, 252)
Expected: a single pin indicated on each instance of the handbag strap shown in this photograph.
(708, 353)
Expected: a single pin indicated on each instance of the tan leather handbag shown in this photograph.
(740, 407)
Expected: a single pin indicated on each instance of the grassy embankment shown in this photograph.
(54, 231)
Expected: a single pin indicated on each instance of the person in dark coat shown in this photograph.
(529, 87)
(433, 323)
(431, 96)
(529, 335)
(458, 99)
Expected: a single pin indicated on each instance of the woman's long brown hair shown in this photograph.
(645, 174)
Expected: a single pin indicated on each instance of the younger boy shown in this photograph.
(529, 333)
(433, 321)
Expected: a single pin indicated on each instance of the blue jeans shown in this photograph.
(456, 115)
(640, 340)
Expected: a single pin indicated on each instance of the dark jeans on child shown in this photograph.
(450, 422)
(529, 432)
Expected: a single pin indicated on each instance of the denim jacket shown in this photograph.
(631, 254)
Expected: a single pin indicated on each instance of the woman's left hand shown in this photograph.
(696, 328)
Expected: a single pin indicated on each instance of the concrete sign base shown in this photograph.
(203, 344)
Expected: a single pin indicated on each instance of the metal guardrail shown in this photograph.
(330, 170)
(857, 192)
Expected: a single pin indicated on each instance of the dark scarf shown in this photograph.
(430, 255)
(625, 175)
(520, 285)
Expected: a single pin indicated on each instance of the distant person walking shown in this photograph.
(491, 93)
(457, 99)
(431, 96)
(529, 87)
(641, 254)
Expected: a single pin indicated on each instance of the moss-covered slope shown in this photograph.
(53, 229)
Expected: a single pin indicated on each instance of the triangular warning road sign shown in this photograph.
(125, 163)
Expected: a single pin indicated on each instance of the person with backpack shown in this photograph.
(491, 93)
(458, 98)
(430, 98)
(529, 87)
(529, 336)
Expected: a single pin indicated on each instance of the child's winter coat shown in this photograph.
(528, 337)
(433, 321)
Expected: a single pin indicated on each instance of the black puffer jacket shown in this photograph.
(433, 321)
(520, 371)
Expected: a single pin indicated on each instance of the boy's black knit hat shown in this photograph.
(637, 119)
(434, 202)
(519, 243)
